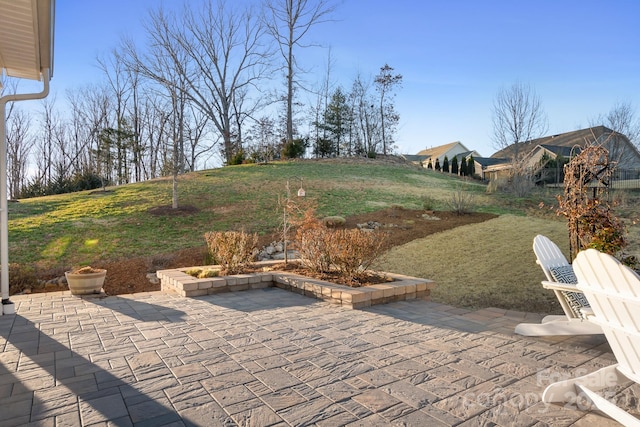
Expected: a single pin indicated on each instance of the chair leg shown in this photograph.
(567, 391)
(561, 327)
(574, 389)
(615, 412)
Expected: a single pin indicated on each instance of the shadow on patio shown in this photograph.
(59, 368)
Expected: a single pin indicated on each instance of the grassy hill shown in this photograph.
(81, 227)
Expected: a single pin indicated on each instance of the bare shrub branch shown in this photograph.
(461, 201)
(349, 253)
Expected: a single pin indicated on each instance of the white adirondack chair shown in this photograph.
(614, 293)
(558, 270)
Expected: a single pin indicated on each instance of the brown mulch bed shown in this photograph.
(402, 225)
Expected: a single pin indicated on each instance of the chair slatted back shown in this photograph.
(613, 291)
(548, 254)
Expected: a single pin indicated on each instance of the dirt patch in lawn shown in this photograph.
(134, 275)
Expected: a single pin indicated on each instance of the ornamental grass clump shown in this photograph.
(233, 250)
(200, 273)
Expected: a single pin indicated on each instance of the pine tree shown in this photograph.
(454, 165)
(438, 164)
(429, 165)
(445, 164)
(463, 167)
(471, 167)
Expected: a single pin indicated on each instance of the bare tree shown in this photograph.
(289, 21)
(195, 132)
(209, 55)
(386, 82)
(317, 111)
(365, 116)
(16, 124)
(518, 118)
(156, 123)
(623, 121)
(89, 107)
(135, 106)
(18, 149)
(622, 118)
(49, 122)
(263, 134)
(166, 64)
(121, 82)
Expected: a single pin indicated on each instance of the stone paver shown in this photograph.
(268, 357)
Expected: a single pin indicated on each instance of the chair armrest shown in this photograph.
(556, 286)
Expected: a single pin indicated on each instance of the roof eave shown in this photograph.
(27, 38)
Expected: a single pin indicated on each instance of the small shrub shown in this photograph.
(21, 277)
(237, 158)
(161, 261)
(354, 251)
(233, 250)
(333, 221)
(429, 203)
(496, 185)
(313, 242)
(461, 201)
(294, 149)
(347, 252)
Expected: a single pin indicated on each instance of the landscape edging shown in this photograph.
(401, 288)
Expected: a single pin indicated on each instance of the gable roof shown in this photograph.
(489, 161)
(559, 150)
(465, 154)
(568, 140)
(414, 157)
(440, 150)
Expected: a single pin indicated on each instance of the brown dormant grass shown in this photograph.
(490, 264)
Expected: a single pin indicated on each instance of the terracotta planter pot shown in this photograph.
(85, 283)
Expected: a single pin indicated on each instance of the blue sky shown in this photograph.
(581, 56)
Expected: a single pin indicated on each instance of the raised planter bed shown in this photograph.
(402, 287)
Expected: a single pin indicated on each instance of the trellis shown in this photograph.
(586, 203)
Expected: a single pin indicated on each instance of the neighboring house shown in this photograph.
(621, 150)
(485, 166)
(454, 149)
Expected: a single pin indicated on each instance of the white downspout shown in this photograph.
(7, 306)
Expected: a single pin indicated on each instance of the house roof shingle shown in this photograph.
(439, 150)
(567, 140)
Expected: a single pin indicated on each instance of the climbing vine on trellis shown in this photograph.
(586, 204)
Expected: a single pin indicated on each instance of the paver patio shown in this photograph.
(270, 357)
